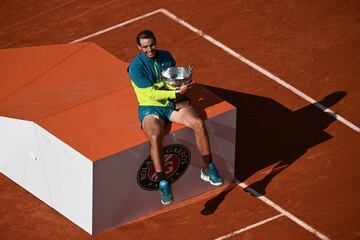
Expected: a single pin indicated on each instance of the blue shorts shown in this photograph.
(162, 112)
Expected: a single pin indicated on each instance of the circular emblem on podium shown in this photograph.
(176, 160)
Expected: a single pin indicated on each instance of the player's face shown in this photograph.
(148, 47)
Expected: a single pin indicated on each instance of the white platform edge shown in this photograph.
(48, 168)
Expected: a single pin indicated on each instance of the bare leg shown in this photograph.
(189, 118)
(153, 127)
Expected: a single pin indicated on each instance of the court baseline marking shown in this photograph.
(117, 26)
(264, 199)
(234, 54)
(241, 230)
(283, 212)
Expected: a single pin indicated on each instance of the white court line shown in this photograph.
(234, 54)
(258, 68)
(116, 26)
(261, 70)
(249, 227)
(284, 212)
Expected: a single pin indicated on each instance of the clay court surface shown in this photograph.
(270, 59)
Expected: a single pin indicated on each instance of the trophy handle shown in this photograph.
(190, 68)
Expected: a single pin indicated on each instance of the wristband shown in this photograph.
(177, 93)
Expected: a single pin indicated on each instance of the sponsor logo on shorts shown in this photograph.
(177, 159)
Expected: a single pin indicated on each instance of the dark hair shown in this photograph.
(145, 34)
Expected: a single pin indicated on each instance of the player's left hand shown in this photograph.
(186, 88)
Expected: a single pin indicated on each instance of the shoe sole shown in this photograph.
(207, 179)
(166, 203)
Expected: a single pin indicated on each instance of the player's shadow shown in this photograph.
(211, 205)
(269, 134)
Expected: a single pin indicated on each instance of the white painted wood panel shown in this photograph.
(20, 158)
(70, 179)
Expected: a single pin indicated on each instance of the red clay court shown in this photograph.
(290, 68)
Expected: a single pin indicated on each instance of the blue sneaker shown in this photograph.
(166, 194)
(211, 175)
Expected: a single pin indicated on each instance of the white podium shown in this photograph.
(70, 136)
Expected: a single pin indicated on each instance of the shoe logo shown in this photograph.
(176, 160)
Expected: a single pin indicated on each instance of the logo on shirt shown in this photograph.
(176, 160)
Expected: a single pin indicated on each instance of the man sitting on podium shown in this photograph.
(156, 107)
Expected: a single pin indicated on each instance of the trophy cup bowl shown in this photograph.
(175, 77)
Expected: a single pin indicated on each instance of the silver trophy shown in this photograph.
(175, 77)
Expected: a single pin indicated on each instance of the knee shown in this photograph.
(197, 125)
